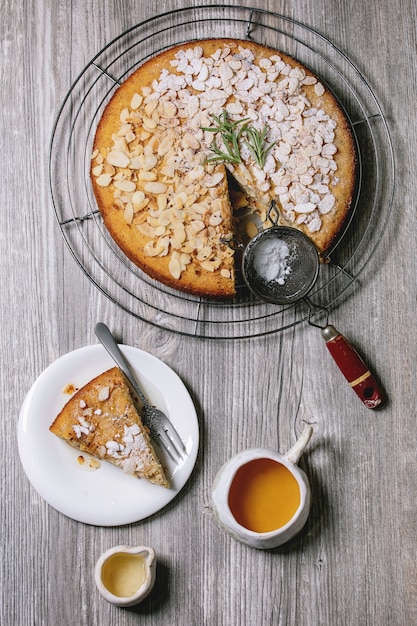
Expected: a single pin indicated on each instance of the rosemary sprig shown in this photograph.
(256, 144)
(231, 132)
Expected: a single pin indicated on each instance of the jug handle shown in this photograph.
(294, 453)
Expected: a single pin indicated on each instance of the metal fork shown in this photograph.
(161, 429)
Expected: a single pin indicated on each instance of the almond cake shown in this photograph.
(198, 116)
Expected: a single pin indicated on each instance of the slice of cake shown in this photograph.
(101, 419)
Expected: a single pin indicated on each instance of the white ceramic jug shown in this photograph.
(225, 478)
(125, 575)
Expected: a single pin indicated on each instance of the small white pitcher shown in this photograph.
(222, 485)
(116, 581)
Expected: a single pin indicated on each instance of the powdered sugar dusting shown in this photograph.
(271, 260)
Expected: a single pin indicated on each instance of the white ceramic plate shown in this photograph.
(104, 496)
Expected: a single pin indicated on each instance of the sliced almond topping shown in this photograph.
(190, 141)
(204, 73)
(160, 231)
(196, 173)
(196, 226)
(305, 207)
(162, 201)
(96, 171)
(124, 115)
(148, 176)
(149, 124)
(104, 180)
(205, 253)
(165, 217)
(214, 180)
(326, 204)
(168, 171)
(153, 248)
(125, 185)
(188, 247)
(165, 145)
(209, 266)
(309, 80)
(155, 187)
(150, 107)
(128, 215)
(118, 159)
(139, 218)
(125, 130)
(138, 197)
(175, 265)
(153, 221)
(130, 136)
(199, 208)
(136, 101)
(164, 243)
(185, 259)
(136, 162)
(179, 232)
(169, 109)
(215, 219)
(180, 199)
(109, 169)
(314, 225)
(149, 162)
(142, 205)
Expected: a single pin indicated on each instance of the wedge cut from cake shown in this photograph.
(102, 420)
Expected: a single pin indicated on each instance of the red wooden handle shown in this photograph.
(353, 368)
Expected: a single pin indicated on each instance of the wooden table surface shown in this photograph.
(356, 560)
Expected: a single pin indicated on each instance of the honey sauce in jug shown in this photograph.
(264, 495)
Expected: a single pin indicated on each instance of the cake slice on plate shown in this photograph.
(102, 420)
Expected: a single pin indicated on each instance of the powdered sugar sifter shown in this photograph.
(281, 265)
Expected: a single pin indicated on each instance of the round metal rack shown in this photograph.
(103, 262)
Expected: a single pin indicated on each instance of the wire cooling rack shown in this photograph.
(104, 263)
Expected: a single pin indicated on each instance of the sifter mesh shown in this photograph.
(280, 265)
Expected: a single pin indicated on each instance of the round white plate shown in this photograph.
(105, 496)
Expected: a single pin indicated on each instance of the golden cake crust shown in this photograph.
(101, 419)
(310, 169)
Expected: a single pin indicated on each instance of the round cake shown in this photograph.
(197, 143)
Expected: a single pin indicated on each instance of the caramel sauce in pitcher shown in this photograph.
(264, 495)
